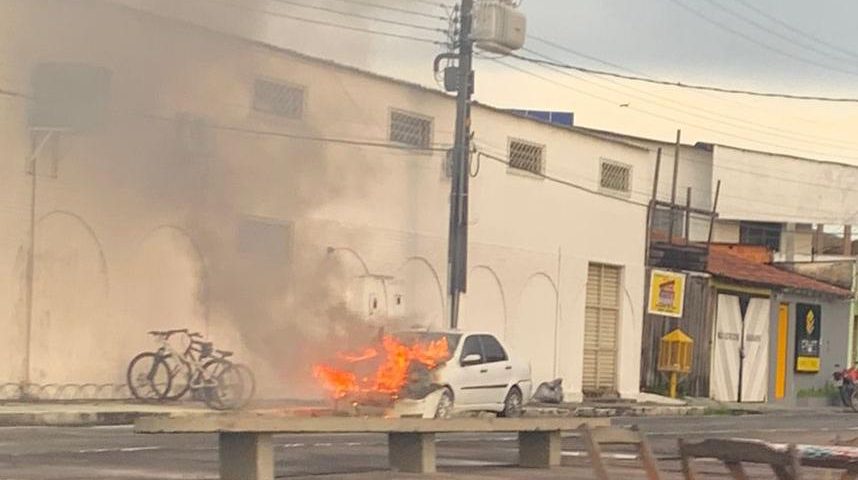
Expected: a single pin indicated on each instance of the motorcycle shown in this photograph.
(846, 379)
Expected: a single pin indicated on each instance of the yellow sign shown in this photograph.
(807, 364)
(666, 293)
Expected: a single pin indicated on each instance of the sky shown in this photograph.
(791, 46)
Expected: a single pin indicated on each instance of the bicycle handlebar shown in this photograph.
(161, 333)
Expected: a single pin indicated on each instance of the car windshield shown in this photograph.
(429, 337)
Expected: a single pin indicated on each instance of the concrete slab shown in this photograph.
(268, 423)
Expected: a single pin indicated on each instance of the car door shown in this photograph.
(472, 376)
(498, 371)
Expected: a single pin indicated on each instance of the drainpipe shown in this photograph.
(31, 260)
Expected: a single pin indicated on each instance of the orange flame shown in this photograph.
(394, 363)
(367, 354)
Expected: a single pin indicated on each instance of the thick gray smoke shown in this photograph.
(284, 295)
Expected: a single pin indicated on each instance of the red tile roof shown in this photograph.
(726, 265)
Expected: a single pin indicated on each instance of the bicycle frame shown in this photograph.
(200, 378)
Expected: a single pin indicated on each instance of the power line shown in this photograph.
(797, 31)
(339, 141)
(759, 43)
(686, 85)
(360, 16)
(442, 148)
(695, 111)
(707, 94)
(393, 9)
(775, 33)
(332, 24)
(430, 3)
(561, 181)
(657, 115)
(271, 133)
(10, 93)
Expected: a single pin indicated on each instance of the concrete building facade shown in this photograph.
(250, 193)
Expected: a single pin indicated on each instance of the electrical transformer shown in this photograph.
(498, 27)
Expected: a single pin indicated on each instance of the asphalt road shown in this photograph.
(118, 453)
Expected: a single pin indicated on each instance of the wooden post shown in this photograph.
(650, 213)
(688, 216)
(847, 240)
(673, 185)
(714, 211)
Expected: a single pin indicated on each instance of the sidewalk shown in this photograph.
(713, 407)
(84, 414)
(94, 413)
(87, 414)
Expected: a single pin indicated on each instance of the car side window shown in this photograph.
(472, 346)
(493, 349)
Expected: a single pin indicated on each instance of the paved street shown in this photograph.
(117, 453)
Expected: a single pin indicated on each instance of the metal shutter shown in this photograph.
(600, 329)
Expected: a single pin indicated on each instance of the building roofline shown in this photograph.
(373, 75)
(783, 155)
(600, 132)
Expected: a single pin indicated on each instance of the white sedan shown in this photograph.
(478, 376)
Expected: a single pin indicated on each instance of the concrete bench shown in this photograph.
(246, 450)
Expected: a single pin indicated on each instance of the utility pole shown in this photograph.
(457, 267)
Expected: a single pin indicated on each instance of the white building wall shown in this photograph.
(777, 188)
(120, 250)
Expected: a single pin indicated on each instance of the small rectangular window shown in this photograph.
(616, 177)
(409, 129)
(760, 233)
(526, 156)
(278, 99)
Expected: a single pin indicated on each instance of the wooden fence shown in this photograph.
(697, 321)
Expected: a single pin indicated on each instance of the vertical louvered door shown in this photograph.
(600, 329)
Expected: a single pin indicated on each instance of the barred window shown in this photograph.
(409, 129)
(526, 156)
(616, 177)
(278, 98)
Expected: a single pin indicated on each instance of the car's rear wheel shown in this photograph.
(444, 410)
(513, 405)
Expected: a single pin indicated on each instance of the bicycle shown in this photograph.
(151, 375)
(198, 352)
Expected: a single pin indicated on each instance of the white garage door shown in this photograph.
(732, 377)
(600, 329)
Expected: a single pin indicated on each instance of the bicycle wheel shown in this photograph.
(148, 377)
(227, 391)
(248, 383)
(180, 377)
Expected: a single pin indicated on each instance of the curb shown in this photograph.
(71, 419)
(629, 411)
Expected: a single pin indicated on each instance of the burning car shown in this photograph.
(431, 374)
